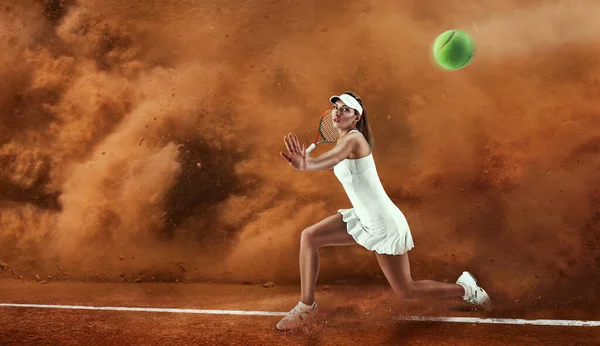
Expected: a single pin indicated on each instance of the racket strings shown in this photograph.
(328, 131)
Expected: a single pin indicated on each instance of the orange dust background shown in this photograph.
(139, 141)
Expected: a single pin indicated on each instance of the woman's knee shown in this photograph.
(308, 237)
(405, 290)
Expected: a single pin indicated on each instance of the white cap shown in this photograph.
(348, 101)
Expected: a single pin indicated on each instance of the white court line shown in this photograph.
(181, 311)
(568, 323)
(539, 322)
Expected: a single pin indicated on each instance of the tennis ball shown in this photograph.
(453, 49)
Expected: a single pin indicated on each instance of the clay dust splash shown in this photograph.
(140, 141)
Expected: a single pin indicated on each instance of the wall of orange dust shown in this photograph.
(140, 141)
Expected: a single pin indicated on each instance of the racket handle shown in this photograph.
(310, 148)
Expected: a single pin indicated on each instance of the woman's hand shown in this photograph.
(296, 156)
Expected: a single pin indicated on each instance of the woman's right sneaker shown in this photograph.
(473, 293)
(298, 315)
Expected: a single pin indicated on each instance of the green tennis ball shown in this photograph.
(453, 49)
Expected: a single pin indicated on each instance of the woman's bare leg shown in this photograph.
(330, 231)
(396, 269)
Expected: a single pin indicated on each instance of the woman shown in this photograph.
(374, 221)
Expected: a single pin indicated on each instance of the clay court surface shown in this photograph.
(351, 315)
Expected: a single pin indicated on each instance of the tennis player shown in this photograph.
(373, 222)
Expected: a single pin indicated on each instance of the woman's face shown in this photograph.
(343, 116)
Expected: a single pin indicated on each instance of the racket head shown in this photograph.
(326, 133)
(326, 129)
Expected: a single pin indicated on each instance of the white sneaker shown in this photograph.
(473, 293)
(300, 313)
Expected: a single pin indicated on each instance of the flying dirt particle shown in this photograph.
(37, 277)
(326, 287)
(182, 268)
(44, 282)
(3, 264)
(186, 282)
(49, 277)
(121, 257)
(141, 140)
(246, 282)
(139, 279)
(199, 165)
(268, 285)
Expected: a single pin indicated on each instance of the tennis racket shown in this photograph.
(326, 133)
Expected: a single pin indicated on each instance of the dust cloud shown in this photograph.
(139, 142)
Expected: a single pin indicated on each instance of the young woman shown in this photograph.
(374, 222)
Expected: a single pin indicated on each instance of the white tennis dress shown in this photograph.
(375, 222)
